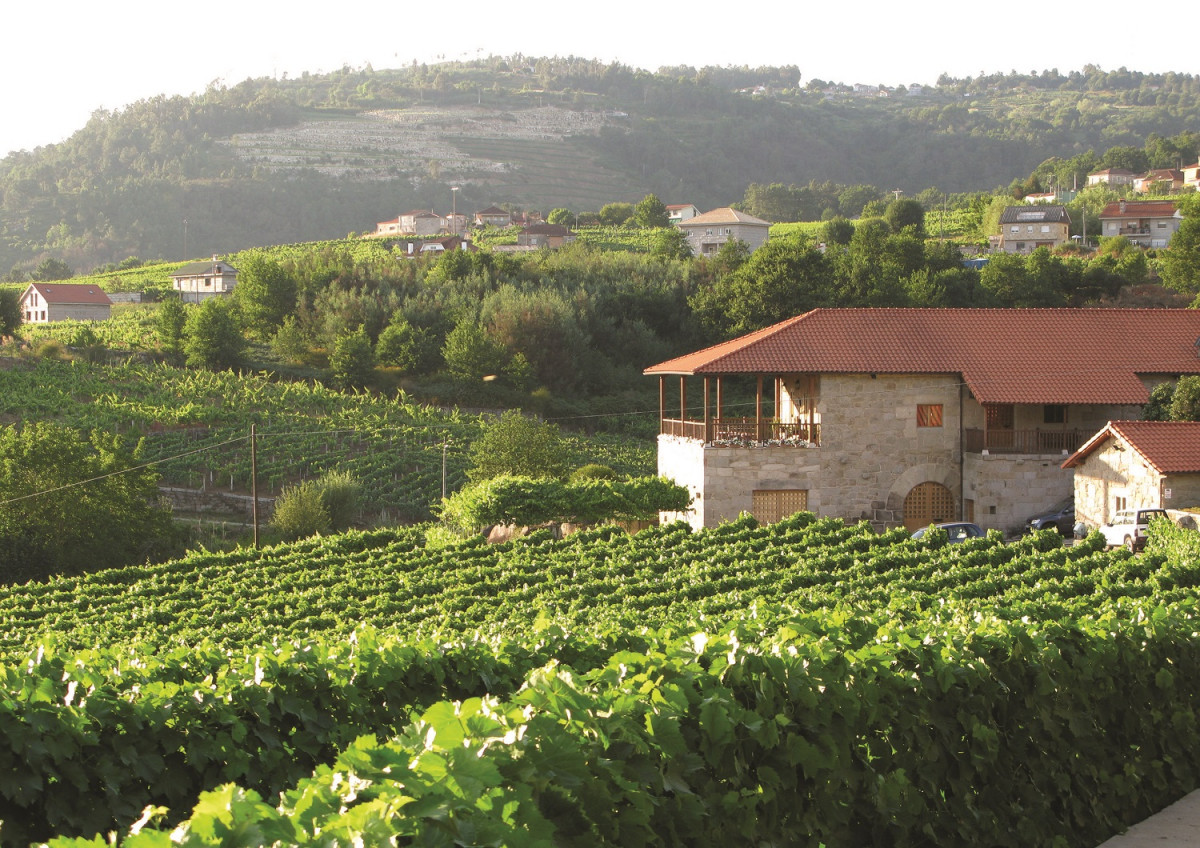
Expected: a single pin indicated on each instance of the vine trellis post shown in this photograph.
(254, 483)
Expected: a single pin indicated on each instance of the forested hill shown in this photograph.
(274, 161)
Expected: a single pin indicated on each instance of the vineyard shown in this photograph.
(195, 428)
(800, 683)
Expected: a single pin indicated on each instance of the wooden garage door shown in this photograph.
(769, 505)
(928, 503)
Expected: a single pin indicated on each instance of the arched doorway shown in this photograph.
(928, 503)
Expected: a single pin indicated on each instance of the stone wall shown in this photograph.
(213, 500)
(1007, 489)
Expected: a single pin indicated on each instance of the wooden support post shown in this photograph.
(662, 401)
(758, 425)
(254, 483)
(682, 398)
(707, 418)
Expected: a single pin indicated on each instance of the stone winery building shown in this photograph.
(909, 416)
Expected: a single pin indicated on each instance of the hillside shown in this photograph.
(278, 161)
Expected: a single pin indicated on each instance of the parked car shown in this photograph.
(1061, 517)
(958, 531)
(1128, 527)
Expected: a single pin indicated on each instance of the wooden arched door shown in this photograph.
(928, 503)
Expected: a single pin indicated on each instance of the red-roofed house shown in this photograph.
(1149, 223)
(1160, 179)
(1136, 465)
(493, 216)
(418, 222)
(677, 212)
(41, 303)
(907, 416)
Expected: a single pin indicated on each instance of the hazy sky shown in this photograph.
(59, 62)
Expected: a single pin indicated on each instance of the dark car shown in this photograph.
(958, 531)
(1061, 517)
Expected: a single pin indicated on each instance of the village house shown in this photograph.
(42, 303)
(1159, 180)
(677, 212)
(418, 222)
(544, 235)
(1112, 177)
(493, 216)
(1024, 229)
(1146, 223)
(1136, 465)
(1191, 176)
(909, 416)
(708, 232)
(198, 281)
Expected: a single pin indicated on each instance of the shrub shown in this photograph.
(327, 504)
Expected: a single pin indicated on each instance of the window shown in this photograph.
(770, 505)
(1045, 228)
(1029, 228)
(1120, 503)
(1014, 229)
(1054, 413)
(929, 415)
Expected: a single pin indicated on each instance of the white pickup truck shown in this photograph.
(1128, 527)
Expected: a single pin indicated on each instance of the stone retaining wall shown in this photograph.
(212, 500)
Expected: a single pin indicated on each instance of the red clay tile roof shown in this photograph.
(1004, 355)
(1169, 447)
(70, 293)
(1139, 209)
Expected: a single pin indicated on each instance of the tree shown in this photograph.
(782, 278)
(169, 322)
(560, 215)
(616, 214)
(670, 243)
(905, 212)
(10, 312)
(1179, 264)
(837, 230)
(469, 353)
(518, 445)
(403, 346)
(212, 337)
(265, 294)
(353, 360)
(651, 212)
(327, 504)
(77, 503)
(1185, 402)
(52, 269)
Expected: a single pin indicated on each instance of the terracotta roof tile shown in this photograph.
(1003, 355)
(70, 293)
(1139, 209)
(1169, 447)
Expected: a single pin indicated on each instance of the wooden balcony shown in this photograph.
(745, 432)
(1023, 441)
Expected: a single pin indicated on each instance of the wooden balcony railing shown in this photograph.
(746, 432)
(1022, 441)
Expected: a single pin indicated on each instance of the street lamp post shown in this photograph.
(454, 207)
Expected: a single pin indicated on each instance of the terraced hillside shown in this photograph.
(527, 155)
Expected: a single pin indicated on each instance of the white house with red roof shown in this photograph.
(418, 222)
(1148, 223)
(677, 212)
(1136, 465)
(42, 303)
(909, 416)
(1191, 176)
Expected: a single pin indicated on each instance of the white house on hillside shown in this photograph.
(42, 303)
(199, 281)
